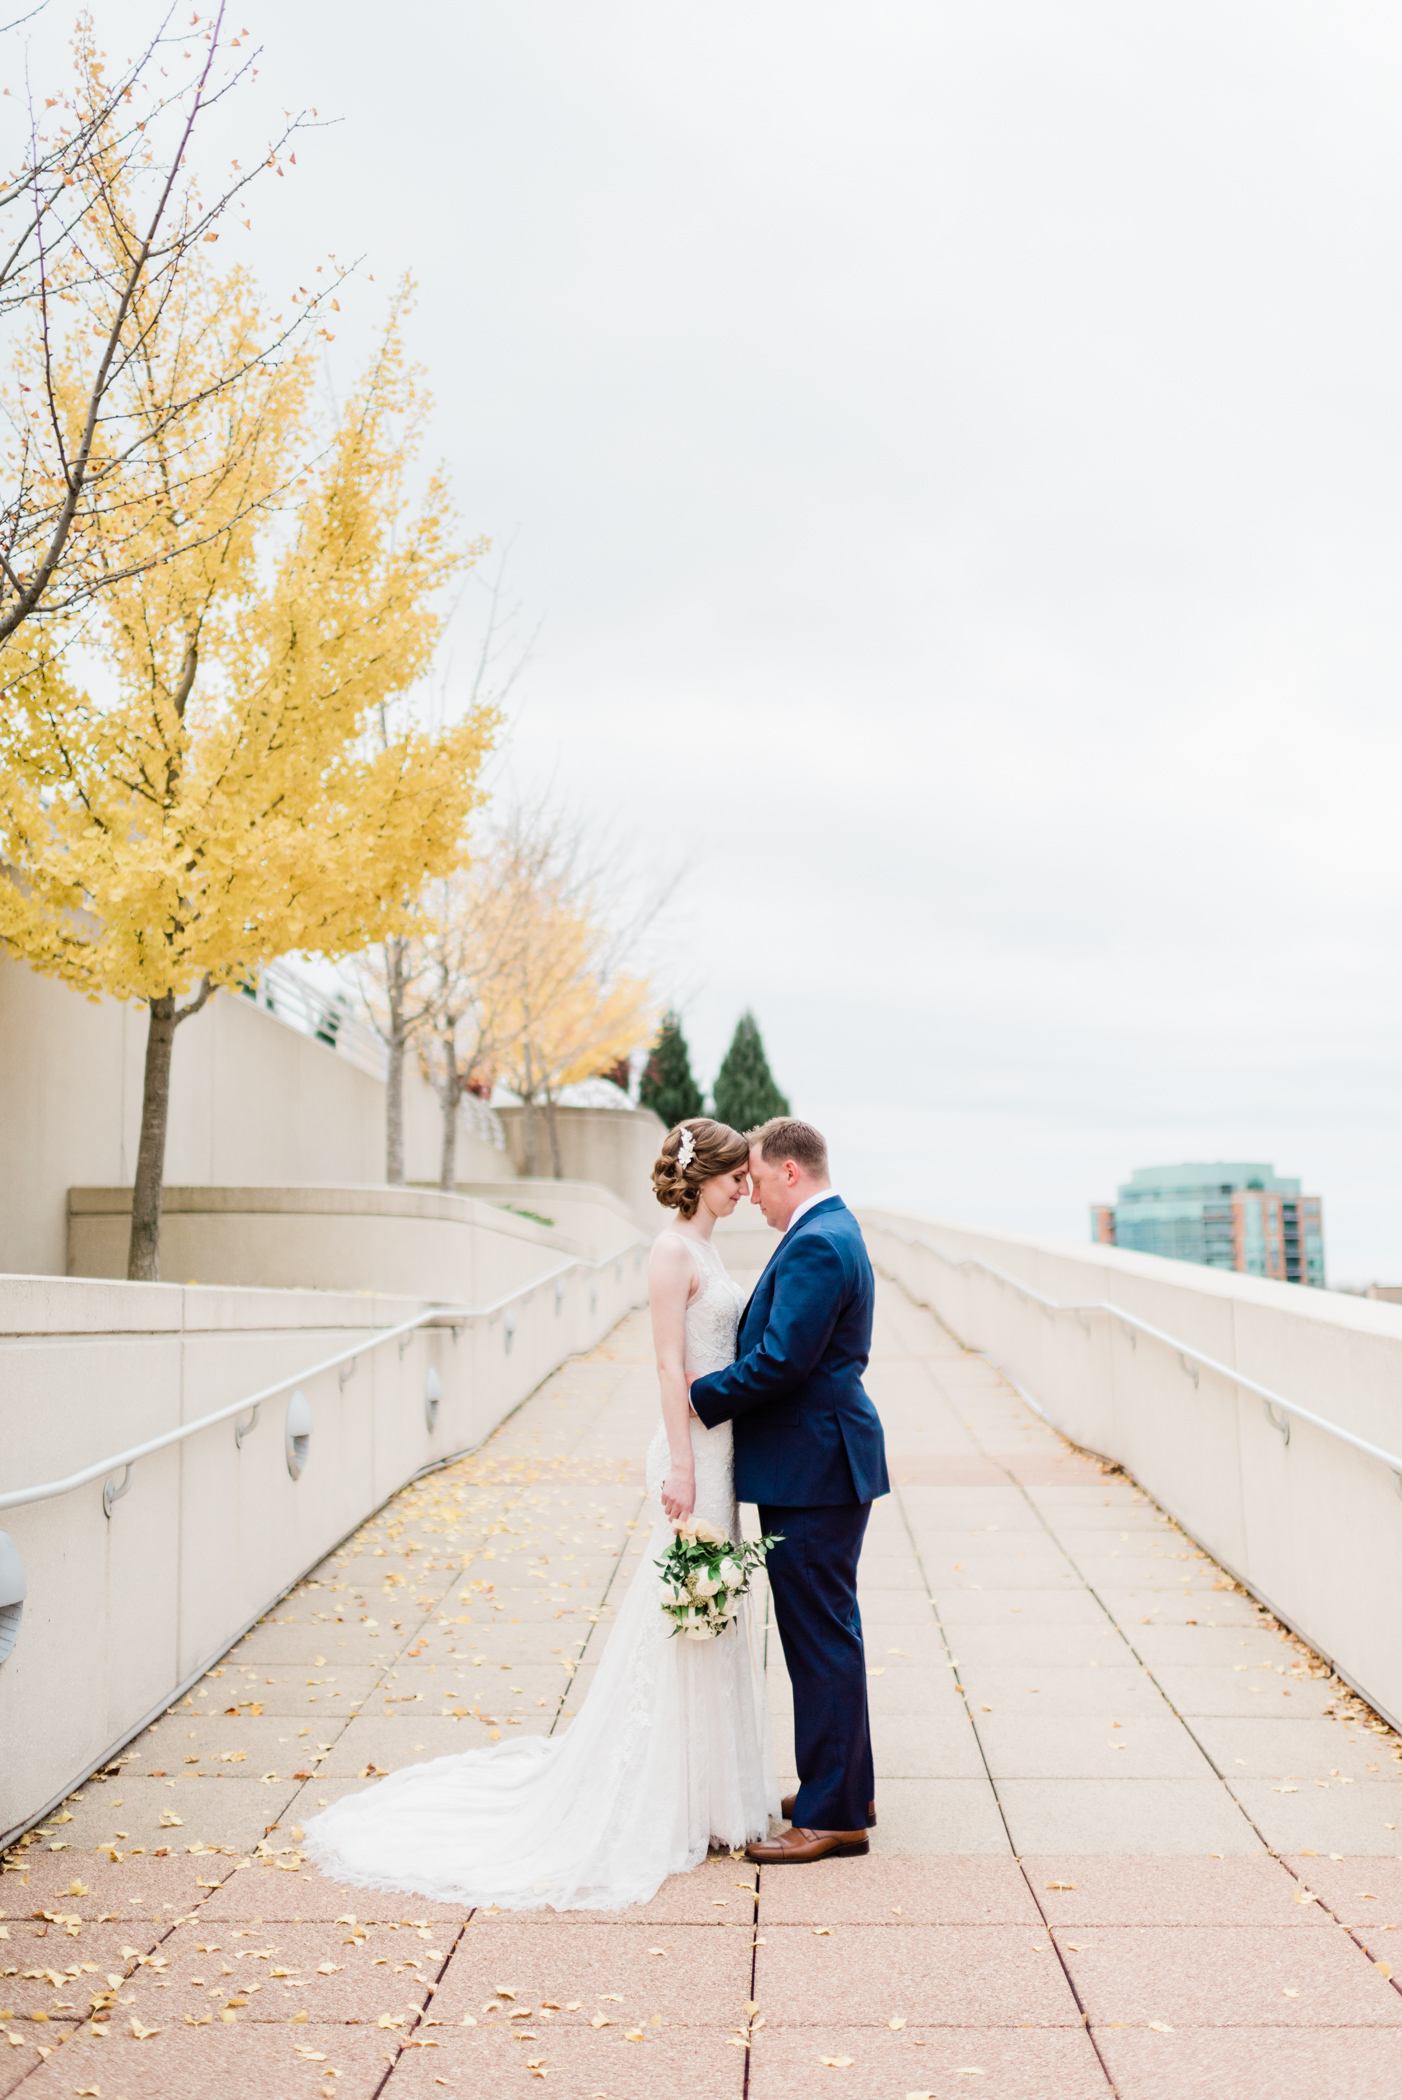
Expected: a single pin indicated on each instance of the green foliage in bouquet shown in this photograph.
(704, 1577)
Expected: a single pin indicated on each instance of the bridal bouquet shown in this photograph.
(704, 1577)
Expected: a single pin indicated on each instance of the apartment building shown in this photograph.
(1227, 1214)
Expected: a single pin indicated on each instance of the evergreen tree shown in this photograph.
(668, 1088)
(745, 1092)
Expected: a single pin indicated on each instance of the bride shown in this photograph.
(670, 1751)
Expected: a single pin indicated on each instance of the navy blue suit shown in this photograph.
(810, 1452)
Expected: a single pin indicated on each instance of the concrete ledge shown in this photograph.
(417, 1241)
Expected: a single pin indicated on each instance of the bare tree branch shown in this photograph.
(82, 287)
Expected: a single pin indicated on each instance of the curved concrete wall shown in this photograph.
(1311, 1526)
(419, 1242)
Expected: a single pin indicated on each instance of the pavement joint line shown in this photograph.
(993, 1784)
(754, 1979)
(79, 2027)
(404, 2041)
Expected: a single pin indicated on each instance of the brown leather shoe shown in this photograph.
(796, 1846)
(786, 1809)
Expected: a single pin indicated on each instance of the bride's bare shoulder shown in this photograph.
(671, 1268)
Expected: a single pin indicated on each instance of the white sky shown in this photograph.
(955, 450)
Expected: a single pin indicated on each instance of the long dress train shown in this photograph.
(669, 1752)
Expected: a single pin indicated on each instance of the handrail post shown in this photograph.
(112, 1491)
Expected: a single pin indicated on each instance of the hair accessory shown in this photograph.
(686, 1147)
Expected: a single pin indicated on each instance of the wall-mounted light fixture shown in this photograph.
(508, 1328)
(11, 1593)
(433, 1393)
(298, 1435)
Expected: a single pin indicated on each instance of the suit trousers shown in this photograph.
(813, 1581)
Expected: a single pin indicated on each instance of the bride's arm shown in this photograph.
(671, 1280)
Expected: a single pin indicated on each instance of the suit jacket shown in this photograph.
(806, 1435)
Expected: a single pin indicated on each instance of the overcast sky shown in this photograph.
(954, 450)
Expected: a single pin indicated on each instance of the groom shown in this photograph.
(809, 1451)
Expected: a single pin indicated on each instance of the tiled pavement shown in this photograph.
(1133, 1838)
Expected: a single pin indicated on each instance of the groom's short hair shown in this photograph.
(785, 1137)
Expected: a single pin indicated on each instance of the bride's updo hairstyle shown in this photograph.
(715, 1149)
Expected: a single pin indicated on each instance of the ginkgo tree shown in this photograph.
(226, 762)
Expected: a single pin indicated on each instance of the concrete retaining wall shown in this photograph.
(251, 1100)
(121, 1612)
(1313, 1528)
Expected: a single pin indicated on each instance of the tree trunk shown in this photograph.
(556, 1169)
(528, 1132)
(144, 1248)
(394, 1112)
(450, 1094)
(394, 1077)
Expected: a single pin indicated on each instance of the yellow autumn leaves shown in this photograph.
(219, 765)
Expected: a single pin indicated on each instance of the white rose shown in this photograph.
(729, 1574)
(708, 1535)
(698, 1633)
(704, 1586)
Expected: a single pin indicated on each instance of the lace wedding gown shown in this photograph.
(669, 1752)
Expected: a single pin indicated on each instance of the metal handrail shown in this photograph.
(445, 1315)
(1274, 1402)
(333, 1018)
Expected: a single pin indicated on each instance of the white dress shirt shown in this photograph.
(809, 1203)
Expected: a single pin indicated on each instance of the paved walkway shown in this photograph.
(1133, 1839)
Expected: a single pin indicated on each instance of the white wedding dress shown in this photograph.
(669, 1753)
